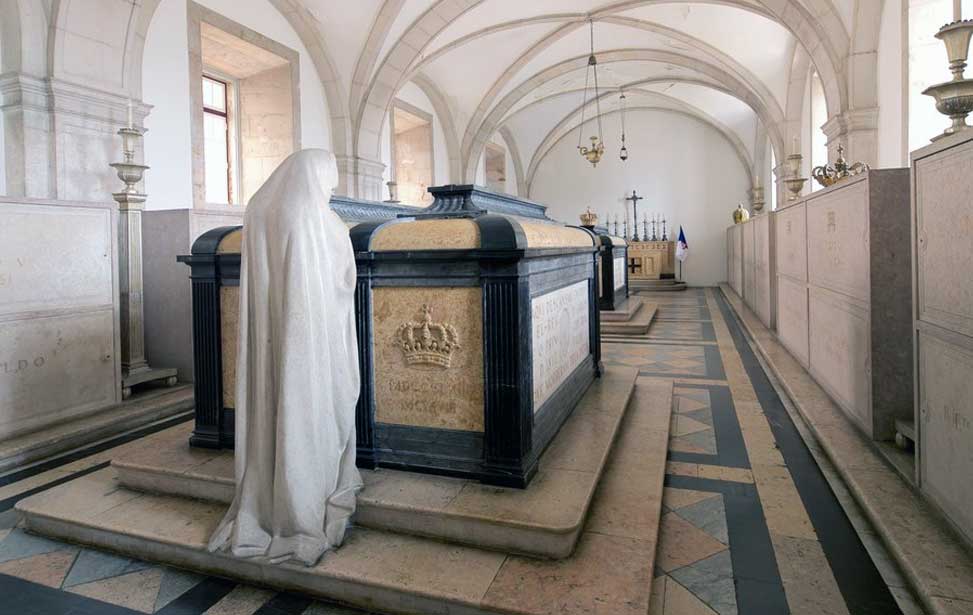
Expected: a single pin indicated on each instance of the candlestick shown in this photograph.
(130, 113)
(957, 10)
(797, 147)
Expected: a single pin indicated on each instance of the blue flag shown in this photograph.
(682, 248)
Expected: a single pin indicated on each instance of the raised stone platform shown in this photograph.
(634, 317)
(144, 409)
(543, 520)
(656, 285)
(610, 571)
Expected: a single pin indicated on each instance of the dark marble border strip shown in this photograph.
(731, 451)
(859, 581)
(200, 598)
(759, 589)
(62, 459)
(285, 603)
(9, 503)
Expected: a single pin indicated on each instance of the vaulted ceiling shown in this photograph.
(520, 65)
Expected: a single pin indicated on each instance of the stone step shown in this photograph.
(656, 285)
(611, 570)
(143, 409)
(543, 520)
(624, 312)
(638, 325)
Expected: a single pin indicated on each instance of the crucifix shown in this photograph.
(635, 210)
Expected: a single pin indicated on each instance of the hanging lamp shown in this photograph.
(623, 153)
(593, 153)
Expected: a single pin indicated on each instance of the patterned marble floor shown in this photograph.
(751, 520)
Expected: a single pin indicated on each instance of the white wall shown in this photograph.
(411, 94)
(165, 85)
(891, 74)
(685, 169)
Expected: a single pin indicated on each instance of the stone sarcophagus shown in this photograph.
(477, 334)
(612, 271)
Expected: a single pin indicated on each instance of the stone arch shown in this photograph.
(826, 41)
(769, 113)
(445, 116)
(702, 50)
(132, 40)
(570, 122)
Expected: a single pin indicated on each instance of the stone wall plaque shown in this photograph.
(619, 272)
(764, 272)
(792, 312)
(71, 267)
(749, 263)
(559, 337)
(839, 352)
(422, 393)
(946, 427)
(55, 367)
(944, 250)
(791, 245)
(838, 241)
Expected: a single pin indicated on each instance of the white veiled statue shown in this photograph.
(297, 371)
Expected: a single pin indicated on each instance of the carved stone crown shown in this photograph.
(589, 218)
(427, 342)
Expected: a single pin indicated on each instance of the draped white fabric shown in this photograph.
(297, 371)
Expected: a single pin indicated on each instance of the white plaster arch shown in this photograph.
(369, 53)
(769, 114)
(132, 39)
(826, 42)
(445, 116)
(571, 122)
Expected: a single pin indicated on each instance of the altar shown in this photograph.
(651, 260)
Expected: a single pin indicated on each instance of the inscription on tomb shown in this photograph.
(619, 271)
(428, 385)
(559, 337)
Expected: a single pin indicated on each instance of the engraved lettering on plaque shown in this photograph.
(559, 337)
(619, 271)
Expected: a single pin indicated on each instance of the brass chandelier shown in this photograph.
(593, 153)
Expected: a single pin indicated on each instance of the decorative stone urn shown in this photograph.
(954, 98)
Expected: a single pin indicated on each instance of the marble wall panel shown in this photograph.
(749, 263)
(946, 427)
(840, 352)
(559, 337)
(734, 241)
(229, 334)
(56, 367)
(765, 275)
(790, 229)
(944, 251)
(792, 317)
(838, 253)
(429, 395)
(54, 256)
